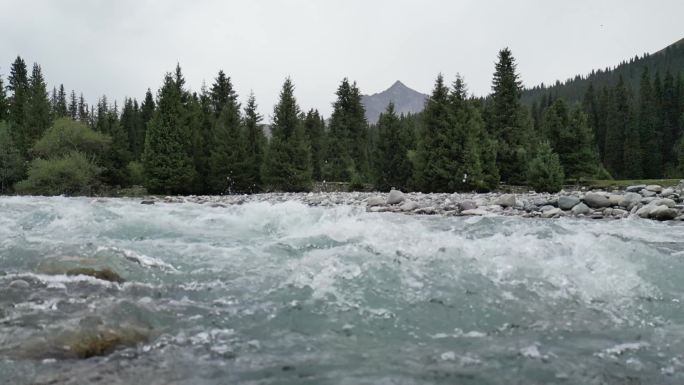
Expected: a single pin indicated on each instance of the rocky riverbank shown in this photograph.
(644, 201)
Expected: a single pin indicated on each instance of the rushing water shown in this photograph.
(289, 294)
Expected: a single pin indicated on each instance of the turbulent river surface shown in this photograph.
(285, 293)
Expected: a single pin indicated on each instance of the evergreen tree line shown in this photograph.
(184, 142)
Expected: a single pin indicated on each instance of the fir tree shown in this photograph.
(18, 84)
(649, 133)
(544, 172)
(618, 111)
(287, 165)
(73, 106)
(4, 103)
(147, 108)
(314, 128)
(347, 154)
(633, 159)
(392, 166)
(168, 167)
(433, 164)
(255, 143)
(227, 145)
(60, 105)
(507, 120)
(11, 161)
(37, 113)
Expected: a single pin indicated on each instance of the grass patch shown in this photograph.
(622, 183)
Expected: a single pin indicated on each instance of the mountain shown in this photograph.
(670, 58)
(406, 100)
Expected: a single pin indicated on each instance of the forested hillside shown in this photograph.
(180, 141)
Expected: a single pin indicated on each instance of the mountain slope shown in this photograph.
(671, 59)
(406, 100)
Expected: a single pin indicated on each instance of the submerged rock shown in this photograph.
(19, 284)
(147, 202)
(105, 274)
(69, 265)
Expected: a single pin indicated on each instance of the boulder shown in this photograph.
(467, 205)
(648, 193)
(636, 188)
(620, 213)
(664, 202)
(546, 208)
(506, 200)
(645, 211)
(69, 265)
(655, 188)
(567, 202)
(104, 274)
(596, 200)
(19, 284)
(375, 201)
(395, 197)
(408, 205)
(614, 199)
(552, 213)
(668, 192)
(629, 200)
(663, 213)
(581, 209)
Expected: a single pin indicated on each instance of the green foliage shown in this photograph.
(393, 168)
(287, 166)
(347, 152)
(314, 128)
(228, 150)
(66, 135)
(136, 173)
(255, 146)
(168, 166)
(11, 161)
(38, 111)
(544, 172)
(70, 174)
(508, 121)
(4, 103)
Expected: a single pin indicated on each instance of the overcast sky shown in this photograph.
(120, 48)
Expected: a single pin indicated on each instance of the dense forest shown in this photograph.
(184, 142)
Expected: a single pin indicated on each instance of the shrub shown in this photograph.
(544, 172)
(71, 174)
(66, 135)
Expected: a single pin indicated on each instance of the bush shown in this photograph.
(136, 173)
(66, 135)
(544, 172)
(71, 174)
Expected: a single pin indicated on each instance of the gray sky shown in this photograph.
(122, 47)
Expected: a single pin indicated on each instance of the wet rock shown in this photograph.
(19, 284)
(506, 200)
(636, 188)
(375, 201)
(668, 192)
(395, 197)
(648, 193)
(409, 205)
(664, 202)
(467, 205)
(596, 200)
(645, 211)
(655, 188)
(629, 200)
(620, 213)
(429, 210)
(105, 274)
(552, 213)
(147, 202)
(663, 213)
(546, 208)
(567, 202)
(581, 209)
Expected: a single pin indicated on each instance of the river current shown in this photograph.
(285, 293)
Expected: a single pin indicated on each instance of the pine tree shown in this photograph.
(507, 121)
(73, 106)
(670, 115)
(466, 130)
(83, 115)
(60, 105)
(18, 84)
(227, 145)
(147, 108)
(118, 156)
(392, 166)
(168, 167)
(633, 159)
(11, 161)
(287, 165)
(37, 112)
(434, 171)
(347, 154)
(618, 111)
(4, 103)
(255, 145)
(314, 128)
(544, 172)
(131, 121)
(648, 128)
